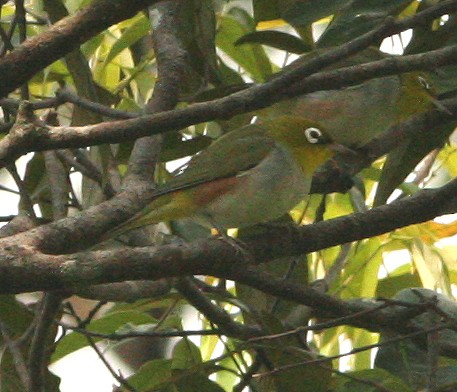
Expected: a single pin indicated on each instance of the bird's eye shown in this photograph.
(313, 135)
(423, 82)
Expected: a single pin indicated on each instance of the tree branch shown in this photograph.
(42, 340)
(61, 38)
(39, 137)
(24, 268)
(171, 63)
(214, 313)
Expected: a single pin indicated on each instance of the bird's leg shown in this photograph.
(239, 245)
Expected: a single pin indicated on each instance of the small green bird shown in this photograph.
(251, 175)
(356, 114)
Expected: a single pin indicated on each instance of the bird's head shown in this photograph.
(307, 140)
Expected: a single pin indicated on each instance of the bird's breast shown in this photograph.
(261, 194)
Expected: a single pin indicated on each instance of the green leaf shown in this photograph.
(185, 355)
(361, 271)
(197, 382)
(14, 316)
(152, 376)
(158, 375)
(90, 47)
(11, 382)
(276, 39)
(138, 29)
(296, 12)
(188, 370)
(228, 378)
(360, 338)
(251, 57)
(391, 285)
(402, 161)
(228, 75)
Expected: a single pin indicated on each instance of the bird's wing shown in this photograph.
(229, 155)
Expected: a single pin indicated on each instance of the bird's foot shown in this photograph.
(240, 247)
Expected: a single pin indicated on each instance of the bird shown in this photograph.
(356, 114)
(254, 174)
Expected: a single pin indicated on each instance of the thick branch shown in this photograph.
(62, 271)
(42, 50)
(171, 64)
(39, 138)
(23, 268)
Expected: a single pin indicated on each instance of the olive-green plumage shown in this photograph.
(251, 175)
(354, 115)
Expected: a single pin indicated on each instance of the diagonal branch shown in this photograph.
(42, 50)
(24, 268)
(171, 64)
(41, 137)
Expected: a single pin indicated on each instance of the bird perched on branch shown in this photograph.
(356, 114)
(251, 175)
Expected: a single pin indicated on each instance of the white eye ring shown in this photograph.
(423, 82)
(313, 135)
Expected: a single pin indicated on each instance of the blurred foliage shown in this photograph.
(230, 45)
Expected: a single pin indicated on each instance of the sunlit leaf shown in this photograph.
(139, 28)
(429, 232)
(251, 57)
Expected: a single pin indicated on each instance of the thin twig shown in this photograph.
(353, 351)
(26, 201)
(42, 340)
(92, 314)
(212, 312)
(149, 334)
(66, 95)
(101, 355)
